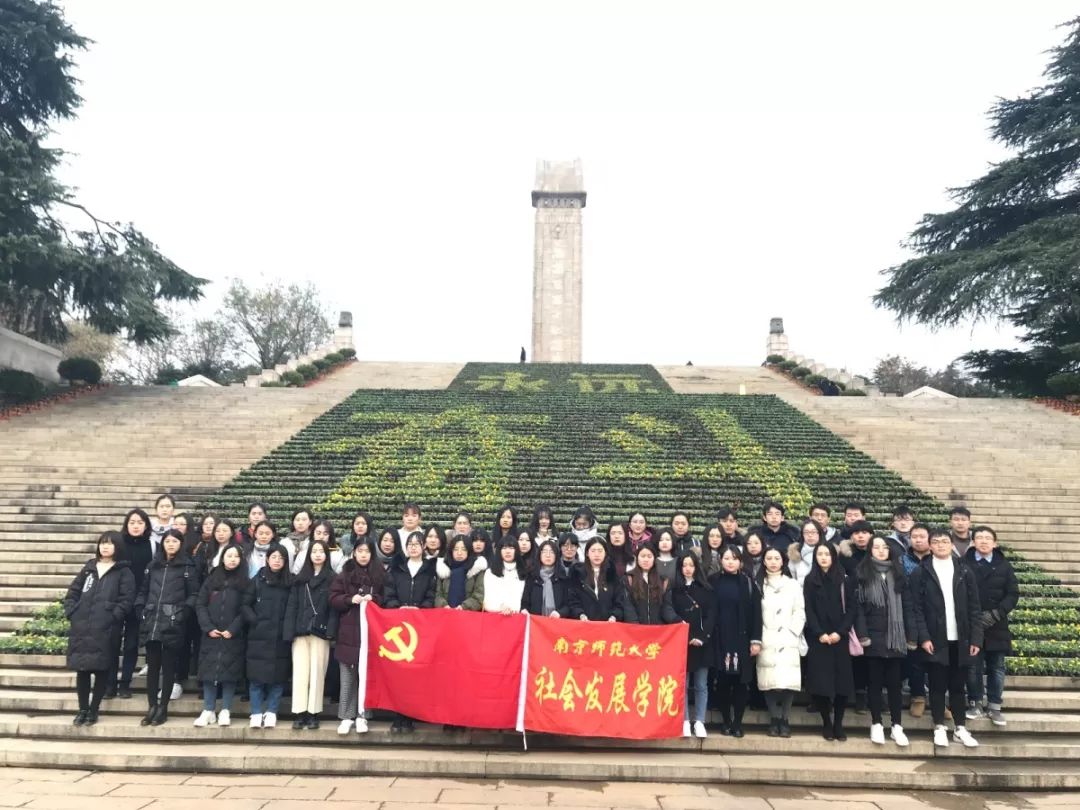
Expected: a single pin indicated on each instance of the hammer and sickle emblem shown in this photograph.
(404, 650)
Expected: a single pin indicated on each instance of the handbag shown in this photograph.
(854, 646)
(313, 628)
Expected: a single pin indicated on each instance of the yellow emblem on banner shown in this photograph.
(404, 650)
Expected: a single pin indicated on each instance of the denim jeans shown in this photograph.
(992, 665)
(270, 692)
(209, 694)
(698, 680)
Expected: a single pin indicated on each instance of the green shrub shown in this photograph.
(788, 365)
(1065, 384)
(20, 387)
(307, 371)
(773, 359)
(815, 379)
(334, 357)
(800, 372)
(273, 384)
(82, 369)
(321, 364)
(292, 378)
(852, 392)
(840, 385)
(348, 353)
(33, 645)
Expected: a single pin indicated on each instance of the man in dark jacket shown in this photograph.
(946, 620)
(999, 592)
(774, 530)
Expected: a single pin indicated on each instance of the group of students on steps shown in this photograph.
(838, 612)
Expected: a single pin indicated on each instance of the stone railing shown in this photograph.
(25, 354)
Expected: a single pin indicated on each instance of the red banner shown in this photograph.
(606, 679)
(444, 666)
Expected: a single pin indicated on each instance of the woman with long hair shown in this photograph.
(783, 615)
(647, 590)
(269, 655)
(310, 624)
(460, 577)
(694, 603)
(829, 595)
(221, 608)
(597, 588)
(736, 638)
(504, 581)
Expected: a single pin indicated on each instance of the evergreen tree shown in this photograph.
(1011, 247)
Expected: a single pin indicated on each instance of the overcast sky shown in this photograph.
(742, 161)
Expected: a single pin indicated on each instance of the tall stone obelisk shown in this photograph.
(558, 198)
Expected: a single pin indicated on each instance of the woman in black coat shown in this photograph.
(694, 603)
(647, 590)
(736, 638)
(165, 606)
(221, 609)
(97, 602)
(546, 568)
(269, 655)
(597, 592)
(829, 595)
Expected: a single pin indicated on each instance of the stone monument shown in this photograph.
(558, 197)
(778, 341)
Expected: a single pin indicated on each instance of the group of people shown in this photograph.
(839, 612)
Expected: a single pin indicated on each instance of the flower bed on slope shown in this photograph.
(562, 378)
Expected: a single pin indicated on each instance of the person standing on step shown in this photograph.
(918, 550)
(257, 513)
(434, 542)
(265, 539)
(543, 524)
(361, 580)
(851, 551)
(881, 593)
(182, 523)
(665, 556)
(200, 546)
(728, 522)
(268, 654)
(681, 535)
(783, 616)
(165, 605)
(821, 513)
(310, 624)
(460, 582)
(164, 507)
(647, 591)
(97, 604)
(463, 525)
(903, 519)
(774, 530)
(504, 580)
(948, 629)
(138, 551)
(410, 522)
(506, 525)
(547, 586)
(753, 555)
(597, 592)
(299, 539)
(637, 531)
(619, 548)
(736, 639)
(583, 524)
(526, 543)
(221, 607)
(410, 583)
(854, 512)
(710, 550)
(388, 548)
(999, 593)
(693, 603)
(829, 595)
(960, 529)
(224, 536)
(568, 552)
(801, 554)
(362, 527)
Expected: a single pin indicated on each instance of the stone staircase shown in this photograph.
(73, 470)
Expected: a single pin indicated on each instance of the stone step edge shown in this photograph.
(551, 766)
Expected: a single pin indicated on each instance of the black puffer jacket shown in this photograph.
(309, 612)
(221, 607)
(927, 605)
(402, 589)
(269, 655)
(650, 610)
(696, 605)
(999, 592)
(532, 597)
(599, 605)
(166, 601)
(96, 607)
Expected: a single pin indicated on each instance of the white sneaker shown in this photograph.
(361, 725)
(177, 691)
(899, 737)
(256, 721)
(877, 734)
(941, 736)
(142, 672)
(699, 730)
(345, 727)
(223, 718)
(269, 720)
(962, 735)
(686, 728)
(207, 718)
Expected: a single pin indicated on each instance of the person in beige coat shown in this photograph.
(783, 614)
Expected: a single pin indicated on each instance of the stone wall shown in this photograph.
(22, 353)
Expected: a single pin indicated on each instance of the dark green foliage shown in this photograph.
(800, 372)
(773, 359)
(1064, 383)
(307, 371)
(20, 387)
(321, 364)
(787, 365)
(79, 369)
(292, 378)
(576, 378)
(272, 384)
(334, 357)
(348, 353)
(814, 379)
(852, 392)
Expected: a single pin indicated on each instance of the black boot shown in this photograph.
(860, 703)
(774, 727)
(80, 718)
(91, 717)
(838, 722)
(150, 713)
(312, 721)
(161, 715)
(725, 723)
(827, 726)
(785, 728)
(396, 727)
(300, 722)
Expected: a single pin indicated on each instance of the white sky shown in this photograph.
(742, 161)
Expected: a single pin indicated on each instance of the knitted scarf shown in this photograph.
(881, 592)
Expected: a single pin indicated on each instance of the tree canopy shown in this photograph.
(106, 273)
(1011, 247)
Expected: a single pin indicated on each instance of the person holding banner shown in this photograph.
(597, 593)
(736, 638)
(504, 581)
(693, 602)
(547, 587)
(783, 615)
(360, 581)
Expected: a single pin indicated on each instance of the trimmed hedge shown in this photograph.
(80, 369)
(20, 387)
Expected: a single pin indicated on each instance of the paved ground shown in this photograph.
(87, 790)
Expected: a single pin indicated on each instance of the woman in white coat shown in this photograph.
(779, 672)
(504, 581)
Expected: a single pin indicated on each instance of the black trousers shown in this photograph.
(91, 699)
(189, 651)
(887, 672)
(832, 710)
(160, 665)
(129, 628)
(951, 677)
(731, 695)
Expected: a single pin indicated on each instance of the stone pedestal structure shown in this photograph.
(778, 342)
(558, 197)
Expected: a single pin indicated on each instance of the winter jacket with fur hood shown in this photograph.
(474, 584)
